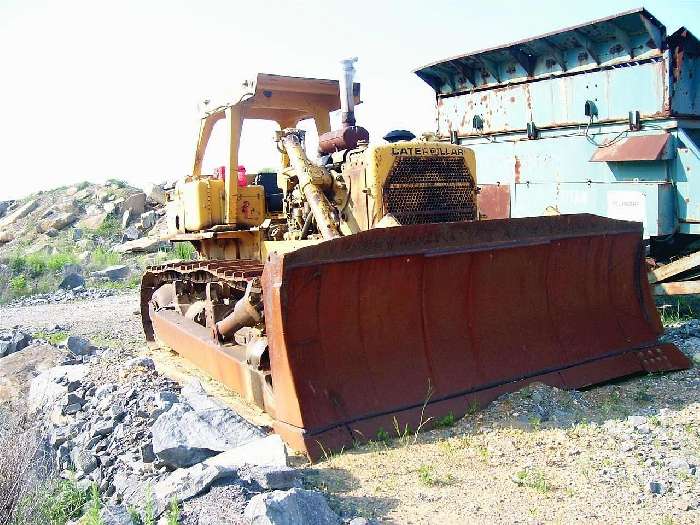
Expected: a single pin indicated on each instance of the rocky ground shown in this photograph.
(627, 452)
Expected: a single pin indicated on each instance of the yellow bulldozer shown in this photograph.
(363, 292)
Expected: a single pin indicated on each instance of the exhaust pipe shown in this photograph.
(347, 98)
(349, 135)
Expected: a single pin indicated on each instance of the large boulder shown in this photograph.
(19, 213)
(6, 237)
(117, 272)
(144, 244)
(93, 221)
(186, 483)
(49, 388)
(155, 194)
(72, 281)
(57, 221)
(135, 204)
(183, 436)
(4, 206)
(292, 507)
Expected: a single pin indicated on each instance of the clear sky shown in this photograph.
(95, 89)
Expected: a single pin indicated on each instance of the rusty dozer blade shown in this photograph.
(392, 327)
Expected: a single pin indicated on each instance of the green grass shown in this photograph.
(532, 478)
(184, 251)
(111, 227)
(36, 264)
(675, 310)
(428, 477)
(101, 258)
(92, 514)
(55, 503)
(173, 514)
(131, 283)
(18, 284)
(53, 338)
(446, 421)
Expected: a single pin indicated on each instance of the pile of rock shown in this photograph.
(144, 438)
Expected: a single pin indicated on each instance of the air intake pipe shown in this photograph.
(347, 97)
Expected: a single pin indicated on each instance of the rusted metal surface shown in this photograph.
(374, 326)
(494, 201)
(641, 147)
(340, 139)
(476, 308)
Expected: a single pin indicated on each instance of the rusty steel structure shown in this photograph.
(602, 117)
(374, 297)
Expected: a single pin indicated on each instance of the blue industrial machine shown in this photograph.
(600, 118)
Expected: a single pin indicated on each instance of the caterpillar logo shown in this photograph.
(427, 150)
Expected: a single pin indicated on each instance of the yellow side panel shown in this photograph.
(250, 206)
(203, 201)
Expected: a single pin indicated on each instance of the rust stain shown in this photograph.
(512, 99)
(517, 169)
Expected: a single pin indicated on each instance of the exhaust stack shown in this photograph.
(347, 99)
(349, 135)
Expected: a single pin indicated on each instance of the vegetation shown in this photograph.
(532, 478)
(54, 338)
(446, 421)
(110, 228)
(185, 251)
(428, 476)
(101, 258)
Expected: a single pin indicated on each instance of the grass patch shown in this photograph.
(54, 338)
(92, 514)
(184, 251)
(446, 421)
(678, 310)
(428, 477)
(18, 285)
(101, 258)
(110, 228)
(532, 478)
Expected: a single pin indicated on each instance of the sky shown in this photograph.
(96, 89)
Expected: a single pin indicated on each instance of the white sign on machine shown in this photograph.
(627, 205)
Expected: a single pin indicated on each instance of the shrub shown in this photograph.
(18, 284)
(102, 258)
(17, 263)
(22, 465)
(60, 260)
(185, 251)
(110, 227)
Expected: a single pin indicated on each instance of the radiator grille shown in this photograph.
(430, 189)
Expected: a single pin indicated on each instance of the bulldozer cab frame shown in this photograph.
(282, 99)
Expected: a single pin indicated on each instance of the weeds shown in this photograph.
(185, 251)
(173, 516)
(55, 338)
(18, 284)
(472, 407)
(446, 421)
(21, 469)
(92, 514)
(672, 314)
(383, 436)
(102, 258)
(535, 422)
(534, 479)
(428, 477)
(110, 227)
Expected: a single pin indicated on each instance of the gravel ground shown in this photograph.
(627, 452)
(107, 321)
